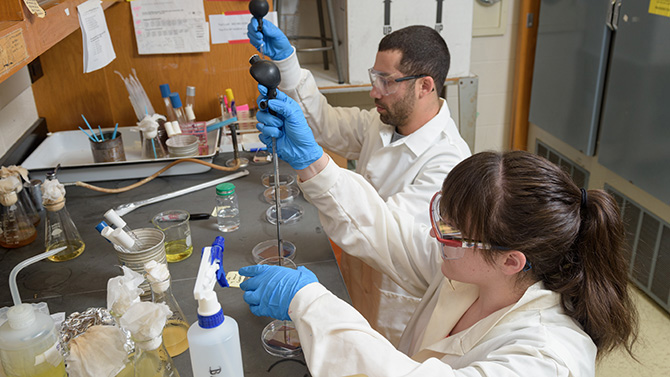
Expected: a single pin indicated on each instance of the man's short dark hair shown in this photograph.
(424, 51)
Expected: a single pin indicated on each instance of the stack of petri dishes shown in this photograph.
(182, 146)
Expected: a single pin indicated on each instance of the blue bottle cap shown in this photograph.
(175, 100)
(165, 90)
(211, 321)
(101, 226)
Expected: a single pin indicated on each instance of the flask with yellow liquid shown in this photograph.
(60, 229)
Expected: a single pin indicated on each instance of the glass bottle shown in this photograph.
(190, 104)
(174, 333)
(60, 231)
(227, 209)
(17, 228)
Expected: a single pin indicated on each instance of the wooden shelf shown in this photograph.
(21, 41)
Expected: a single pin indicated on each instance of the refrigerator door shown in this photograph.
(635, 129)
(570, 62)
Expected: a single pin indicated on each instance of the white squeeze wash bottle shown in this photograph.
(214, 341)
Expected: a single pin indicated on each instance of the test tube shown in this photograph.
(121, 229)
(165, 93)
(178, 111)
(190, 103)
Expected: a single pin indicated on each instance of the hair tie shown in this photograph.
(584, 198)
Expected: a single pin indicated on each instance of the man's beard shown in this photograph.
(397, 114)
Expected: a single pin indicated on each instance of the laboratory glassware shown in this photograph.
(176, 327)
(280, 337)
(60, 231)
(165, 94)
(17, 227)
(175, 225)
(190, 104)
(227, 209)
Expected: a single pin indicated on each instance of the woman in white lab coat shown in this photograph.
(534, 283)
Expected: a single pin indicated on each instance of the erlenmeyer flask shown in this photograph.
(28, 205)
(60, 231)
(17, 229)
(152, 360)
(176, 327)
(152, 148)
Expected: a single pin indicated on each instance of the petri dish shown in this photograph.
(284, 179)
(286, 194)
(261, 157)
(280, 338)
(266, 251)
(290, 213)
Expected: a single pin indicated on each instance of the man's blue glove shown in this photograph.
(295, 140)
(275, 44)
(270, 289)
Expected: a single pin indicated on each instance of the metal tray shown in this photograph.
(71, 150)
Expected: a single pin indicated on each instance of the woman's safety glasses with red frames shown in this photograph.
(453, 243)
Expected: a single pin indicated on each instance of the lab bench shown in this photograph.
(79, 284)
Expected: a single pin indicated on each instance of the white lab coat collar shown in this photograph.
(423, 138)
(536, 297)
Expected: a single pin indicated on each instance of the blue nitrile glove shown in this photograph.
(295, 140)
(270, 289)
(275, 44)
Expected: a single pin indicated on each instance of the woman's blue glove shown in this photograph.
(275, 44)
(270, 289)
(295, 140)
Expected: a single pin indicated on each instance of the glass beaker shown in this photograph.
(175, 225)
(279, 337)
(176, 327)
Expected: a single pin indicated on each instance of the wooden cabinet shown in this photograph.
(24, 36)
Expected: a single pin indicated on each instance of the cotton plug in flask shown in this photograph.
(22, 191)
(60, 230)
(145, 322)
(174, 333)
(227, 209)
(214, 341)
(17, 228)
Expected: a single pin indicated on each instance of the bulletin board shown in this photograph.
(64, 92)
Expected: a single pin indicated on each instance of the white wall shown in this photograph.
(17, 108)
(492, 60)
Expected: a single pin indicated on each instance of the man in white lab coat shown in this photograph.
(404, 147)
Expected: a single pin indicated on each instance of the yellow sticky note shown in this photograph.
(660, 7)
(234, 279)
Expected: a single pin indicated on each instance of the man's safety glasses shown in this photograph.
(385, 83)
(453, 243)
